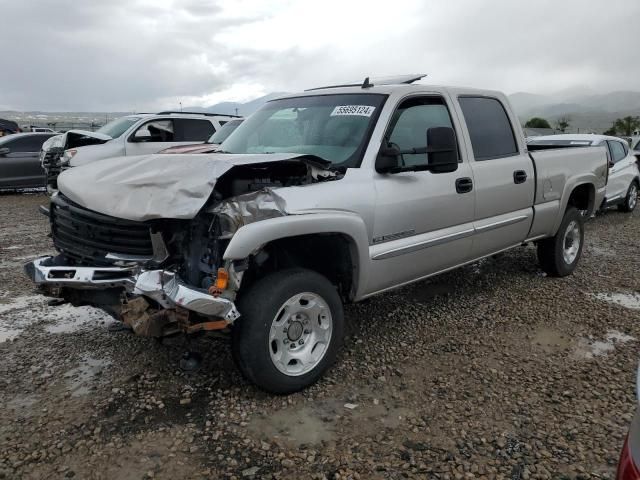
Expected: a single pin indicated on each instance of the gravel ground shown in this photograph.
(491, 371)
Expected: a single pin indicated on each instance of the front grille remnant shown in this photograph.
(51, 164)
(88, 236)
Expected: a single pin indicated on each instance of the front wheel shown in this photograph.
(290, 330)
(559, 255)
(631, 199)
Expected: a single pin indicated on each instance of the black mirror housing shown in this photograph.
(388, 159)
(442, 150)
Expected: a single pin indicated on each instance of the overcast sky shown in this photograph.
(135, 55)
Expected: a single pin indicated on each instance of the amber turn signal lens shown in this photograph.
(222, 280)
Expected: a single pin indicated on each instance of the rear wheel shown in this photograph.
(290, 330)
(559, 255)
(631, 199)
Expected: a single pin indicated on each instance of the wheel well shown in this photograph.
(332, 255)
(582, 197)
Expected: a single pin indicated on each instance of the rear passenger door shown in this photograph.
(503, 175)
(622, 170)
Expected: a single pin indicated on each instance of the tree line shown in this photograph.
(621, 126)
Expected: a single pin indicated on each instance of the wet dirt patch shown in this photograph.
(86, 376)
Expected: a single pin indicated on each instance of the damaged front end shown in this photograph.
(165, 276)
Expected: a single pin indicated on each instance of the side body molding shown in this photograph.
(252, 237)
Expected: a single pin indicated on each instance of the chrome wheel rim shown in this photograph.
(300, 334)
(633, 196)
(571, 242)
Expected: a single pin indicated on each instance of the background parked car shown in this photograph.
(19, 160)
(210, 145)
(635, 148)
(624, 177)
(8, 127)
(42, 130)
(127, 136)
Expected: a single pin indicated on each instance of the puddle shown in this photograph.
(551, 341)
(597, 348)
(22, 402)
(296, 426)
(33, 256)
(627, 300)
(13, 317)
(601, 251)
(20, 303)
(318, 423)
(19, 312)
(68, 319)
(81, 379)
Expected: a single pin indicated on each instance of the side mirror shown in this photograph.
(442, 150)
(141, 136)
(4, 151)
(388, 159)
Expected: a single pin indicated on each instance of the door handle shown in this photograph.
(464, 185)
(519, 176)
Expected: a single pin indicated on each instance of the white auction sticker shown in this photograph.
(362, 110)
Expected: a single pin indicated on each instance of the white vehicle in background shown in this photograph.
(42, 130)
(624, 177)
(127, 136)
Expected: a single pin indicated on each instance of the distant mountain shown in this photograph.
(236, 108)
(587, 111)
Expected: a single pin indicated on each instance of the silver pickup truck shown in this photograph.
(328, 196)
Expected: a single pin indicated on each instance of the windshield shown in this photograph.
(333, 127)
(222, 134)
(117, 127)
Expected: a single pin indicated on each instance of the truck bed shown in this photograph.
(558, 172)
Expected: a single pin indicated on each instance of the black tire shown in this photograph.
(551, 250)
(259, 306)
(631, 198)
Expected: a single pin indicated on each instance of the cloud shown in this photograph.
(126, 55)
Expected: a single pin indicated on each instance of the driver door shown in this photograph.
(423, 220)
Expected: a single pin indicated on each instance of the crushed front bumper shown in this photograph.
(163, 286)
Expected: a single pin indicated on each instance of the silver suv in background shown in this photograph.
(624, 178)
(127, 136)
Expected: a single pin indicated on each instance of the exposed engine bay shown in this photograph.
(167, 275)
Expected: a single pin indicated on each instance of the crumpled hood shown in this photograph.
(154, 186)
(74, 138)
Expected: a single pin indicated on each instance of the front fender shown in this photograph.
(251, 238)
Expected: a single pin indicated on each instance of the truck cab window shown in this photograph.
(410, 122)
(489, 128)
